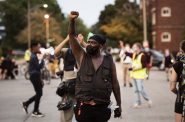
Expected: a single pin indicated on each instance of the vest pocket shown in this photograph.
(106, 74)
(87, 77)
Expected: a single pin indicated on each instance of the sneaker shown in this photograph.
(136, 105)
(149, 103)
(37, 114)
(130, 84)
(25, 107)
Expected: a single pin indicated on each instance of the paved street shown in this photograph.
(12, 92)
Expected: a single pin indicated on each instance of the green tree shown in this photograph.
(15, 21)
(15, 18)
(38, 29)
(121, 21)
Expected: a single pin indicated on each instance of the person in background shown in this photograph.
(138, 74)
(69, 76)
(1, 69)
(126, 61)
(149, 58)
(8, 67)
(34, 69)
(27, 55)
(177, 78)
(52, 66)
(168, 61)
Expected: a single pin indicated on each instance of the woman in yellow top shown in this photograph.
(138, 74)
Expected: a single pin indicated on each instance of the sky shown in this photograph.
(89, 9)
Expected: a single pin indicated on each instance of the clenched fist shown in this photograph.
(73, 15)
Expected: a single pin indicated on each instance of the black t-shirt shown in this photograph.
(148, 56)
(168, 62)
(178, 67)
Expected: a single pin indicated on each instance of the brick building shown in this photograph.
(168, 23)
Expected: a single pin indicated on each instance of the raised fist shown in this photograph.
(80, 37)
(73, 15)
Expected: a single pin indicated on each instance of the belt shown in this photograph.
(89, 102)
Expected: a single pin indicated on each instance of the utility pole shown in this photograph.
(144, 20)
(46, 16)
(29, 24)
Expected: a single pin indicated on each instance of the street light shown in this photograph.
(45, 5)
(29, 18)
(46, 16)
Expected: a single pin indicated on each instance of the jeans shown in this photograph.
(139, 91)
(37, 84)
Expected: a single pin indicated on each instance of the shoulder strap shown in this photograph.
(133, 56)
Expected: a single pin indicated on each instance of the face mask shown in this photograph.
(134, 49)
(147, 49)
(92, 50)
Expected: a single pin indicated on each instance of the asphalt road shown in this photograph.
(13, 92)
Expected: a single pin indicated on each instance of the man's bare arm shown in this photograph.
(77, 50)
(60, 46)
(115, 84)
(173, 79)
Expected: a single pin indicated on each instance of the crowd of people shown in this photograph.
(89, 76)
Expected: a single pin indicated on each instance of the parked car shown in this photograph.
(158, 60)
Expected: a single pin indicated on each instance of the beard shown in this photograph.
(92, 50)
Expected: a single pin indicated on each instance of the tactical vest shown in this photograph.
(69, 61)
(94, 85)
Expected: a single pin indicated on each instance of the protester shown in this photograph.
(169, 60)
(149, 58)
(1, 69)
(35, 77)
(2, 74)
(7, 68)
(177, 77)
(126, 61)
(138, 74)
(96, 78)
(53, 66)
(27, 55)
(69, 76)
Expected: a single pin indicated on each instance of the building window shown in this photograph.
(153, 18)
(166, 12)
(165, 37)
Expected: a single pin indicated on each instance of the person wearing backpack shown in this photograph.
(177, 77)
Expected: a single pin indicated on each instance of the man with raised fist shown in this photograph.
(96, 78)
